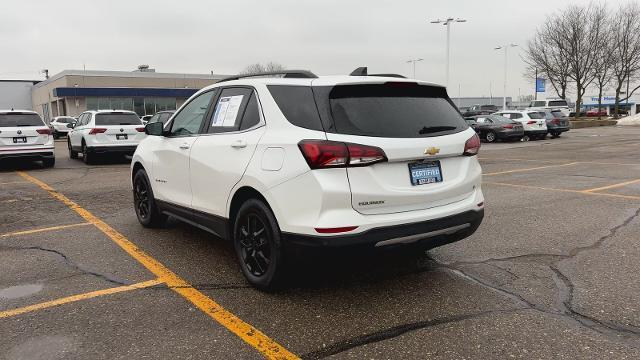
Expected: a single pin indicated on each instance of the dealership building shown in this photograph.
(144, 91)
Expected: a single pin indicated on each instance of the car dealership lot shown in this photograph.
(552, 271)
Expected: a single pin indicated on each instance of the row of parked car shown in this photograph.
(520, 125)
(24, 135)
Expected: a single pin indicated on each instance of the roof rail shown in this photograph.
(291, 74)
(362, 71)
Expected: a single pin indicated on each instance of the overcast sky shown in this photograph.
(326, 37)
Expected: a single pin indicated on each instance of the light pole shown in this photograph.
(414, 61)
(447, 23)
(504, 93)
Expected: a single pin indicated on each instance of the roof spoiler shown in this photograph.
(362, 71)
(291, 74)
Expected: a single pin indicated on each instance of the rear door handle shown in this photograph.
(239, 144)
(184, 146)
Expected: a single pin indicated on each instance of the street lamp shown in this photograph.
(414, 61)
(447, 23)
(504, 94)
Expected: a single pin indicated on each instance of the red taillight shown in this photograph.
(321, 154)
(508, 126)
(335, 230)
(556, 121)
(97, 131)
(140, 129)
(531, 122)
(44, 131)
(472, 146)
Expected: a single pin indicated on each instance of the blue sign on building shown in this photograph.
(540, 85)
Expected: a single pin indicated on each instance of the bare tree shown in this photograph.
(260, 68)
(625, 50)
(544, 58)
(605, 60)
(579, 32)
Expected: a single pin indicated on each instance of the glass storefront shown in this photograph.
(142, 106)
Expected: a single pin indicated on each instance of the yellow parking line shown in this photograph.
(252, 336)
(528, 169)
(629, 197)
(74, 298)
(53, 228)
(613, 186)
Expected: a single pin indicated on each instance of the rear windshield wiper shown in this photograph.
(435, 129)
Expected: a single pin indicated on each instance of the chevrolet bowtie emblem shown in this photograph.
(431, 150)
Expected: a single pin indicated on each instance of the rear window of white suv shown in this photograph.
(394, 110)
(117, 119)
(20, 119)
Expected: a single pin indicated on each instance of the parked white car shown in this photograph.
(101, 132)
(533, 122)
(270, 163)
(550, 104)
(23, 135)
(59, 125)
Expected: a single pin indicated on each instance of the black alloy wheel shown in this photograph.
(258, 245)
(144, 202)
(141, 200)
(255, 245)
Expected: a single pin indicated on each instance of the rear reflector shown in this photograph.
(322, 154)
(472, 146)
(556, 121)
(140, 129)
(97, 131)
(335, 230)
(44, 131)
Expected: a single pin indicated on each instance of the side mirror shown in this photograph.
(154, 128)
(71, 125)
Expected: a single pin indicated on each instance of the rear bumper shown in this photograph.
(536, 132)
(29, 156)
(432, 233)
(509, 134)
(558, 129)
(126, 149)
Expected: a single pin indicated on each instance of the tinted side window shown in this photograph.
(251, 115)
(297, 105)
(516, 116)
(189, 120)
(228, 111)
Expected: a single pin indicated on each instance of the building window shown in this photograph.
(141, 106)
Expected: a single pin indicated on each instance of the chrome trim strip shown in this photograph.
(414, 238)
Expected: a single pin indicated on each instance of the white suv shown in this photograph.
(24, 135)
(300, 160)
(550, 104)
(59, 125)
(100, 132)
(533, 122)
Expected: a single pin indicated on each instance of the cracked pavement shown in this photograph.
(551, 273)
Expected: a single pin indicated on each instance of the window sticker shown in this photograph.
(227, 110)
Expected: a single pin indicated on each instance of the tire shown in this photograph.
(490, 136)
(72, 154)
(258, 245)
(525, 138)
(555, 135)
(86, 157)
(49, 162)
(144, 202)
(56, 135)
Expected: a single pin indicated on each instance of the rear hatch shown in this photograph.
(119, 128)
(421, 134)
(22, 129)
(537, 121)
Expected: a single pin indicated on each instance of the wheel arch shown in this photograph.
(241, 195)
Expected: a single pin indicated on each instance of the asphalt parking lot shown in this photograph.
(553, 271)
